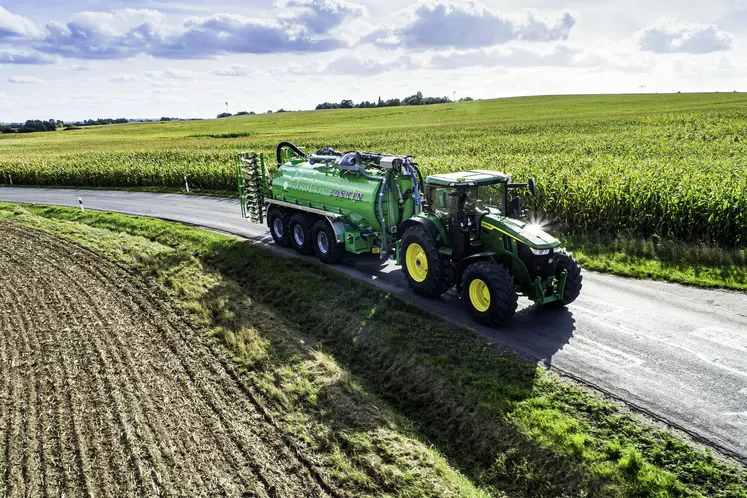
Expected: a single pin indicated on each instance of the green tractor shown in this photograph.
(460, 230)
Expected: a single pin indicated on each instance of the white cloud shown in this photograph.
(671, 36)
(320, 16)
(349, 65)
(176, 74)
(123, 78)
(447, 24)
(170, 74)
(12, 25)
(562, 55)
(13, 56)
(26, 80)
(306, 27)
(234, 70)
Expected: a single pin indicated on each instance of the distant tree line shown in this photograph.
(31, 126)
(416, 99)
(240, 113)
(36, 125)
(101, 121)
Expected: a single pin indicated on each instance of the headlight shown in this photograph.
(540, 252)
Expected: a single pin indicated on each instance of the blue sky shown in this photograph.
(150, 58)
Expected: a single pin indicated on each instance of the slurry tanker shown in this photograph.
(460, 230)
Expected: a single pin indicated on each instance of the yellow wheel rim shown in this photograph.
(479, 295)
(417, 262)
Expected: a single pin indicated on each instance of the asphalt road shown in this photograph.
(678, 352)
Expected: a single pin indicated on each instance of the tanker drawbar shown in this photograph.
(458, 230)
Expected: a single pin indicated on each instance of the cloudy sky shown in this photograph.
(150, 58)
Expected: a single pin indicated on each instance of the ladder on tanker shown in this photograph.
(252, 180)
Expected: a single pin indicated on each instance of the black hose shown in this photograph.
(420, 175)
(291, 147)
(424, 204)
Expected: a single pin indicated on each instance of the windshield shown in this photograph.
(476, 199)
(479, 199)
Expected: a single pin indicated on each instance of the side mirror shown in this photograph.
(514, 208)
(533, 187)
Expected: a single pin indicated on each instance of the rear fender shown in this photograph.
(339, 228)
(438, 237)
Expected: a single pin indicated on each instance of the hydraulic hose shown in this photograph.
(412, 169)
(384, 250)
(291, 147)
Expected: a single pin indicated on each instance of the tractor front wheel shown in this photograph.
(424, 270)
(489, 292)
(573, 282)
(278, 220)
(300, 233)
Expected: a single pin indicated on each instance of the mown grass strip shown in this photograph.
(507, 425)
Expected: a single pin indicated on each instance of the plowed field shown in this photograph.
(105, 391)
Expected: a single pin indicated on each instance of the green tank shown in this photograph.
(364, 197)
(351, 195)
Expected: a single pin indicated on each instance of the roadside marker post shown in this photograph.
(80, 201)
(10, 178)
(186, 183)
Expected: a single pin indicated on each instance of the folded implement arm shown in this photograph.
(253, 188)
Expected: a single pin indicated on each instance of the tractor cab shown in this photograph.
(461, 200)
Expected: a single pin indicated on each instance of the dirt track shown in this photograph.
(105, 391)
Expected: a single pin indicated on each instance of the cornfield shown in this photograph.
(670, 166)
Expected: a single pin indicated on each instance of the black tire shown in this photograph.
(501, 301)
(325, 244)
(435, 281)
(573, 282)
(300, 233)
(278, 220)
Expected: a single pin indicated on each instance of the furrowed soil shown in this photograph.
(105, 390)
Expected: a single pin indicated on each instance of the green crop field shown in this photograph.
(667, 166)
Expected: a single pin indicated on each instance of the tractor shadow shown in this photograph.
(536, 332)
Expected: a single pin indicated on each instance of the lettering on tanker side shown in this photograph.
(347, 194)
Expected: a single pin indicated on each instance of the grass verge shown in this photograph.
(673, 261)
(503, 423)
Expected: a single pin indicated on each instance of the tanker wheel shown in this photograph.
(423, 267)
(325, 244)
(300, 233)
(489, 292)
(573, 282)
(278, 220)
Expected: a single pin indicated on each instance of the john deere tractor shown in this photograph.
(461, 230)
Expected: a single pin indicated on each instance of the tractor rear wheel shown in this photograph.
(423, 267)
(278, 220)
(300, 233)
(573, 282)
(489, 292)
(325, 244)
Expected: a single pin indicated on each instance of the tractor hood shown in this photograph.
(531, 235)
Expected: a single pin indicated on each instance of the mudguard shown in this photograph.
(436, 233)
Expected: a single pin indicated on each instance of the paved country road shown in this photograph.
(679, 353)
